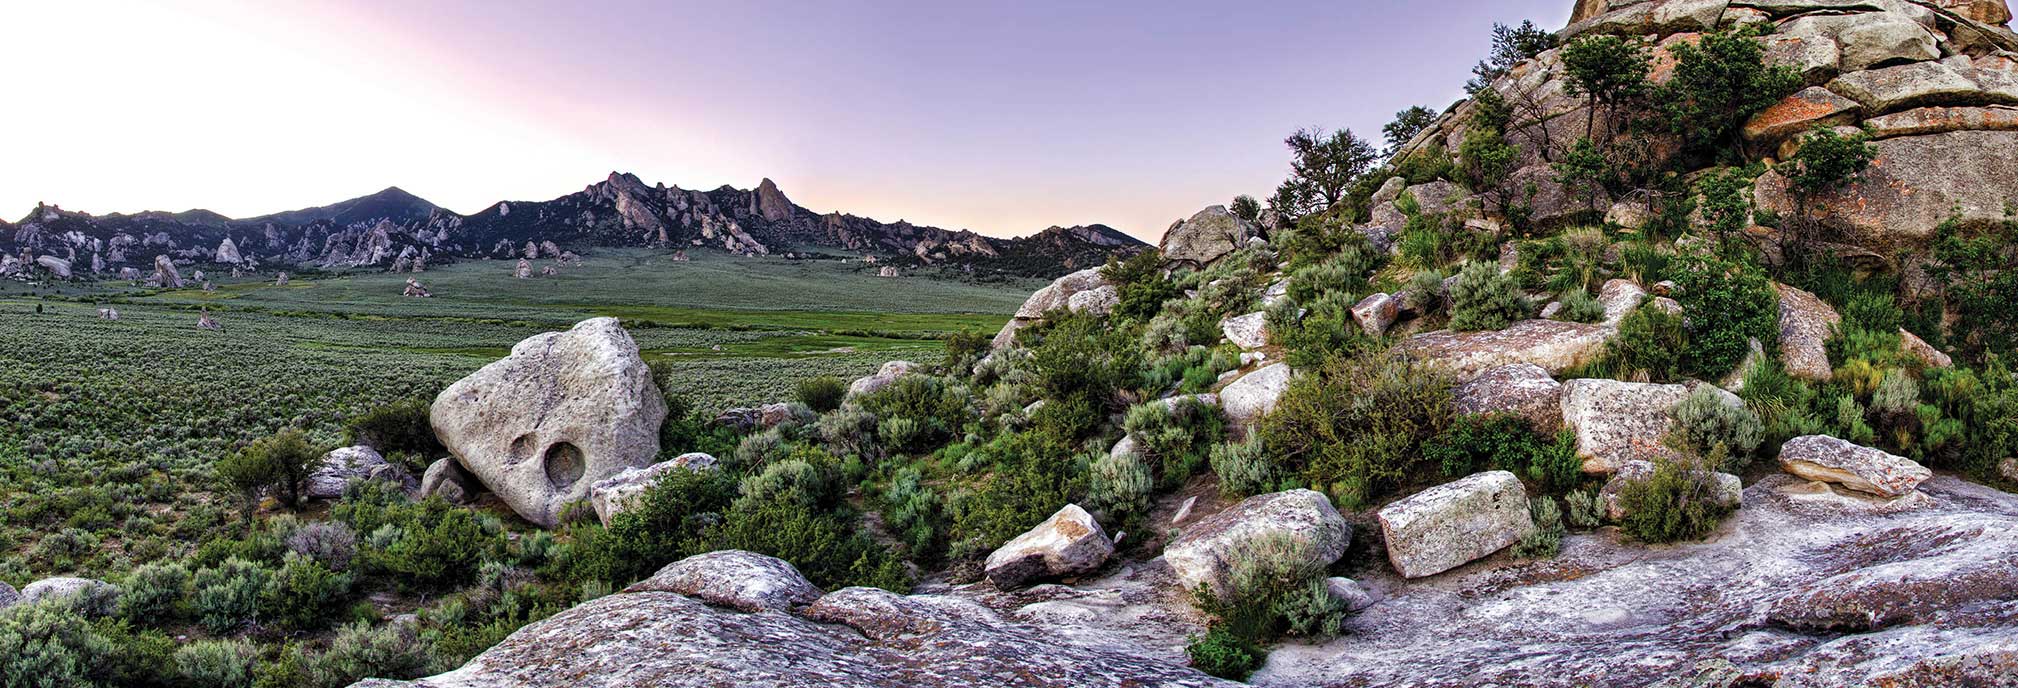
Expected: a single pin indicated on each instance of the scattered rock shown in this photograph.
(1619, 422)
(447, 479)
(1827, 459)
(165, 275)
(1444, 527)
(1376, 313)
(1201, 556)
(1070, 543)
(564, 410)
(361, 463)
(1919, 349)
(1246, 331)
(8, 595)
(1252, 396)
(610, 496)
(2009, 469)
(1522, 389)
(1350, 592)
(889, 373)
(736, 579)
(1620, 298)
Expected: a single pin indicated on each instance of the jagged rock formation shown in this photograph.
(398, 231)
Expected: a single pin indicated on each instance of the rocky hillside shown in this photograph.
(395, 230)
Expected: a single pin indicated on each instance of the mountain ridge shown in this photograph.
(395, 229)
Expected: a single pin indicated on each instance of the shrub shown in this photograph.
(330, 543)
(1174, 436)
(1272, 589)
(1729, 304)
(303, 594)
(1221, 653)
(1484, 299)
(360, 651)
(829, 548)
(153, 592)
(433, 544)
(805, 481)
(219, 663)
(1709, 426)
(1354, 428)
(935, 407)
(49, 645)
(1584, 510)
(1718, 84)
(398, 427)
(822, 394)
(281, 462)
(1677, 502)
(1508, 443)
(1648, 347)
(1243, 469)
(1119, 487)
(1140, 283)
(1028, 484)
(1547, 539)
(227, 595)
(1580, 306)
(654, 530)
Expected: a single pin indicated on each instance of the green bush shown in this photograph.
(1119, 486)
(1243, 469)
(304, 594)
(654, 530)
(1547, 538)
(1584, 510)
(153, 592)
(1649, 346)
(49, 645)
(423, 545)
(1484, 299)
(1719, 83)
(829, 548)
(1140, 284)
(1355, 427)
(1030, 481)
(219, 663)
(808, 480)
(398, 427)
(822, 394)
(1272, 589)
(1711, 427)
(935, 407)
(281, 463)
(1506, 443)
(227, 595)
(1580, 306)
(1678, 502)
(1221, 653)
(1729, 304)
(360, 651)
(1174, 436)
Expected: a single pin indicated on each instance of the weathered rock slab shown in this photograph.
(1070, 543)
(1253, 395)
(1449, 525)
(1553, 345)
(1830, 460)
(1522, 389)
(735, 579)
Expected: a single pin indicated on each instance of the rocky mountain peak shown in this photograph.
(770, 203)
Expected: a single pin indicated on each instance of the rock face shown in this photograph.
(1202, 557)
(1553, 345)
(1246, 331)
(58, 267)
(889, 373)
(1449, 525)
(1252, 396)
(1522, 389)
(852, 638)
(227, 252)
(1805, 323)
(1070, 543)
(447, 479)
(165, 274)
(611, 495)
(564, 410)
(1206, 237)
(344, 465)
(1830, 460)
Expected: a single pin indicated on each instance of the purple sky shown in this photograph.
(1002, 118)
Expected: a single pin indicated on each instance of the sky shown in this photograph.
(1001, 117)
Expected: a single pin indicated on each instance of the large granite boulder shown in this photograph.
(71, 588)
(1620, 298)
(1254, 395)
(564, 410)
(1376, 313)
(1523, 389)
(735, 579)
(1203, 555)
(1553, 345)
(869, 384)
(1805, 325)
(165, 274)
(1206, 237)
(1830, 460)
(359, 463)
(611, 496)
(1083, 291)
(1070, 543)
(1449, 525)
(447, 479)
